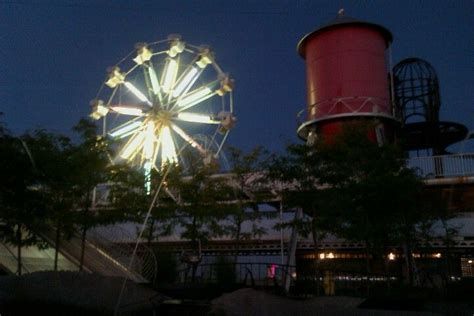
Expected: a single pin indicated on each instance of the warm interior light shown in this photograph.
(143, 54)
(169, 75)
(132, 147)
(126, 130)
(127, 111)
(391, 256)
(197, 118)
(194, 98)
(469, 261)
(330, 255)
(137, 92)
(186, 81)
(98, 109)
(115, 77)
(438, 255)
(227, 85)
(205, 58)
(176, 47)
(322, 256)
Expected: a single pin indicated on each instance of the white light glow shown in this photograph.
(133, 145)
(137, 92)
(169, 75)
(391, 256)
(195, 97)
(127, 111)
(188, 139)
(148, 147)
(186, 81)
(143, 54)
(168, 150)
(126, 130)
(154, 81)
(197, 118)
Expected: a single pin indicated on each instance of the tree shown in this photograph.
(53, 164)
(378, 197)
(354, 188)
(247, 176)
(21, 200)
(91, 167)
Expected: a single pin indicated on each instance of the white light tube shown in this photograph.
(169, 75)
(194, 98)
(126, 129)
(196, 118)
(186, 80)
(133, 145)
(127, 111)
(137, 92)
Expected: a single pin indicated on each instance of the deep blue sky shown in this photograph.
(54, 53)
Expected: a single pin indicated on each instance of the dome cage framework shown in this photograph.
(417, 104)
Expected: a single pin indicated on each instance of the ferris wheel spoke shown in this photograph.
(169, 75)
(155, 85)
(149, 144)
(193, 98)
(197, 118)
(188, 139)
(168, 149)
(126, 129)
(127, 110)
(186, 80)
(133, 146)
(137, 92)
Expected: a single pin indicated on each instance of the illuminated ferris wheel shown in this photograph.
(160, 97)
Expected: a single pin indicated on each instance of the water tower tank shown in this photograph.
(347, 77)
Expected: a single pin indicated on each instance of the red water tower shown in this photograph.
(347, 78)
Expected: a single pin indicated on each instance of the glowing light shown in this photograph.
(169, 75)
(133, 145)
(137, 92)
(438, 255)
(205, 58)
(98, 109)
(186, 81)
(193, 98)
(188, 139)
(330, 255)
(168, 150)
(322, 256)
(196, 118)
(176, 47)
(143, 53)
(115, 77)
(154, 81)
(127, 111)
(147, 168)
(148, 147)
(469, 261)
(126, 130)
(227, 85)
(391, 256)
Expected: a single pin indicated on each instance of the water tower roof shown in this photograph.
(342, 20)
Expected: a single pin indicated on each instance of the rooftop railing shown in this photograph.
(457, 165)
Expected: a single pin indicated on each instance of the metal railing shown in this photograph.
(457, 165)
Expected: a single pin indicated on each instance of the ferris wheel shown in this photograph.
(159, 97)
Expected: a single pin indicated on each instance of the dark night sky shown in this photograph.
(54, 53)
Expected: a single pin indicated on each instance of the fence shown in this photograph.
(457, 165)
